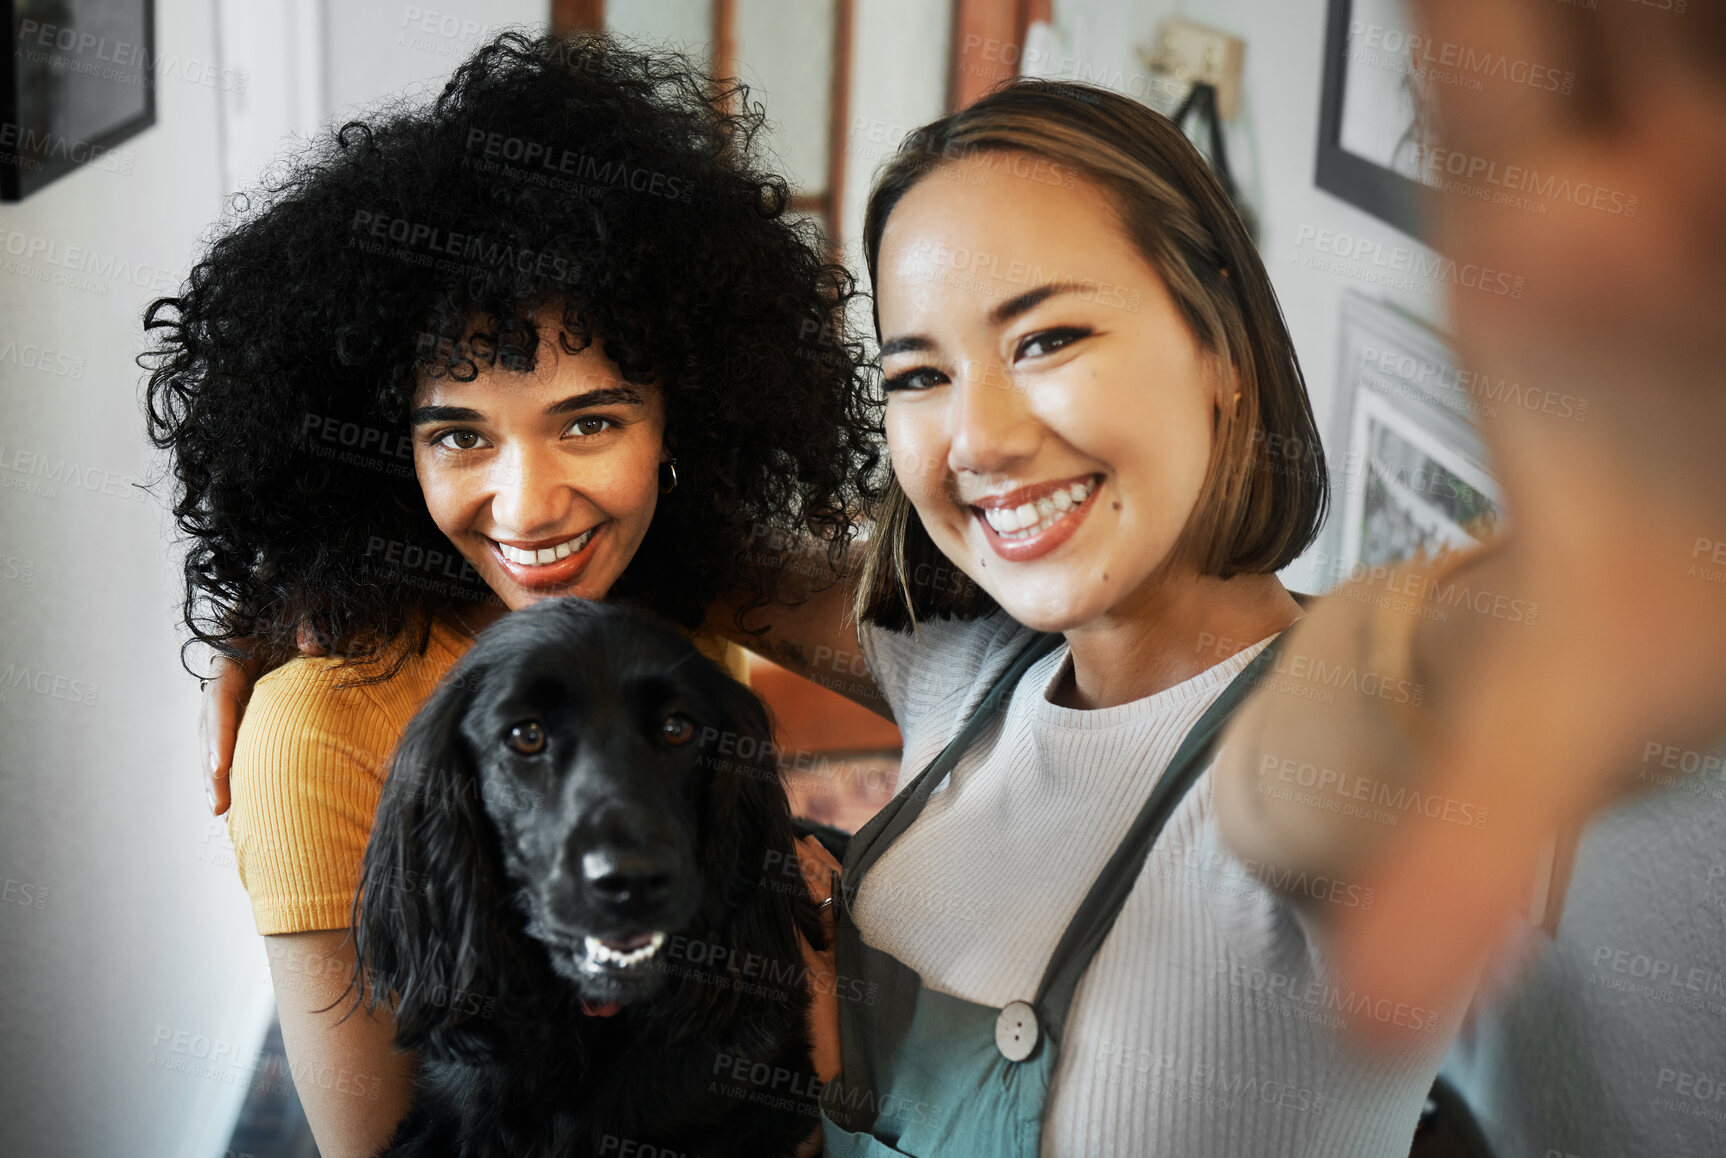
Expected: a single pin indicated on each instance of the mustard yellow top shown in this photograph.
(309, 767)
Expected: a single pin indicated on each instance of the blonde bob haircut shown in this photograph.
(1266, 490)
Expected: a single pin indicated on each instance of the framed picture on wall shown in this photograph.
(1408, 490)
(1375, 118)
(77, 77)
(1408, 470)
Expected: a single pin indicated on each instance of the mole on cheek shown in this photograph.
(1115, 505)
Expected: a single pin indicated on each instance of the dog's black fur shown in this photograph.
(487, 867)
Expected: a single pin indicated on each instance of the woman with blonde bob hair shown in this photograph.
(1096, 415)
(1266, 492)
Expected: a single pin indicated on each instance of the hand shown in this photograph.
(1614, 514)
(226, 694)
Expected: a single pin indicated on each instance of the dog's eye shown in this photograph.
(678, 729)
(526, 737)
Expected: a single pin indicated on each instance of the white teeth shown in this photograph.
(545, 555)
(1030, 519)
(599, 953)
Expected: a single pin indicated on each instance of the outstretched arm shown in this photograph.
(1540, 725)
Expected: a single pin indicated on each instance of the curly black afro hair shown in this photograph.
(612, 193)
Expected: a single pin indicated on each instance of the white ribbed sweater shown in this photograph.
(1206, 1025)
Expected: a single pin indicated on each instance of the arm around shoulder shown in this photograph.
(811, 631)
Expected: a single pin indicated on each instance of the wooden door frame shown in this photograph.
(988, 40)
(576, 16)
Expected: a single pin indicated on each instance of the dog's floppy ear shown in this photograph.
(427, 916)
(757, 897)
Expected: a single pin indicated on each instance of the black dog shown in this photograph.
(560, 839)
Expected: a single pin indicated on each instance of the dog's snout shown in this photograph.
(633, 878)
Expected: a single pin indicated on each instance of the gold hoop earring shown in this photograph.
(670, 465)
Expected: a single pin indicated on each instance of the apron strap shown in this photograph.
(907, 804)
(1096, 914)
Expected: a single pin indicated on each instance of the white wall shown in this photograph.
(898, 81)
(686, 25)
(136, 991)
(379, 47)
(145, 931)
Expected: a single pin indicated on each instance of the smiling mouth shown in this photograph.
(604, 955)
(552, 567)
(1034, 517)
(544, 556)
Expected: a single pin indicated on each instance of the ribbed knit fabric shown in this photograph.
(1206, 1024)
(309, 767)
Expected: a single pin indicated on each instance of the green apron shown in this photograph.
(935, 1076)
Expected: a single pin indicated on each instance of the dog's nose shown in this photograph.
(632, 878)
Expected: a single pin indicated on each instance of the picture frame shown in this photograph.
(1409, 469)
(75, 81)
(1410, 490)
(1373, 118)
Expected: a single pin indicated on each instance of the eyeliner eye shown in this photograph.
(922, 378)
(678, 729)
(526, 738)
(1048, 341)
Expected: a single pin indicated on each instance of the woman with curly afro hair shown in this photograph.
(553, 334)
